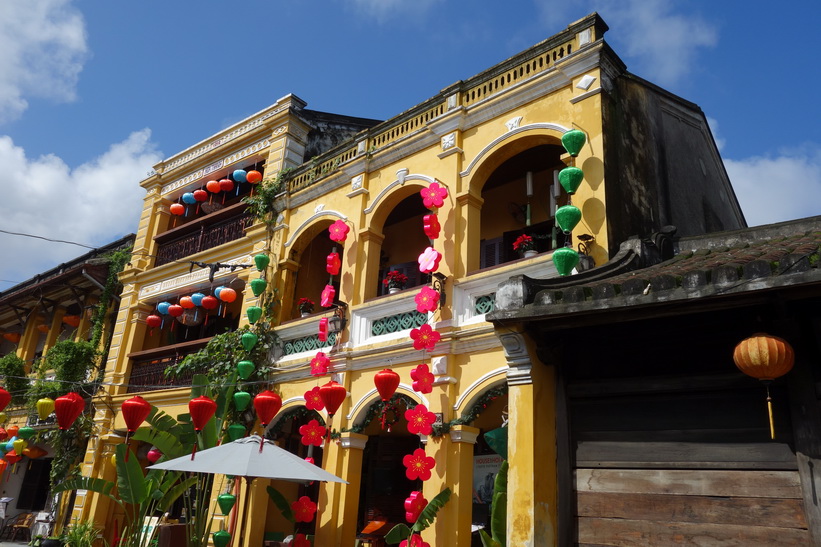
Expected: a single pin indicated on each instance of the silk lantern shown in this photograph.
(221, 538)
(267, 404)
(226, 185)
(3, 434)
(135, 410)
(12, 432)
(26, 432)
(175, 310)
(261, 261)
(34, 452)
(766, 358)
(226, 502)
(571, 178)
(240, 175)
(567, 217)
(209, 302)
(258, 286)
(45, 407)
(573, 141)
(213, 186)
(68, 408)
(3, 417)
(153, 321)
(187, 303)
(254, 313)
(254, 177)
(565, 259)
(201, 410)
(241, 400)
(177, 209)
(386, 383)
(5, 398)
(245, 369)
(19, 446)
(227, 295)
(236, 431)
(248, 340)
(332, 395)
(153, 455)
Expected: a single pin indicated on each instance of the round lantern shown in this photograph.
(153, 321)
(213, 186)
(221, 538)
(226, 185)
(226, 502)
(565, 259)
(201, 409)
(240, 175)
(19, 446)
(573, 141)
(187, 303)
(197, 298)
(153, 455)
(175, 310)
(45, 407)
(267, 404)
(200, 195)
(236, 431)
(3, 434)
(245, 369)
(177, 209)
(386, 383)
(567, 217)
(163, 307)
(209, 302)
(13, 337)
(68, 408)
(766, 358)
(248, 340)
(5, 398)
(72, 320)
(227, 295)
(188, 198)
(241, 400)
(3, 465)
(26, 432)
(3, 417)
(254, 177)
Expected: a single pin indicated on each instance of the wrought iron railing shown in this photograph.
(398, 322)
(149, 374)
(207, 237)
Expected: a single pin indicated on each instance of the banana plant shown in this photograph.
(401, 532)
(498, 512)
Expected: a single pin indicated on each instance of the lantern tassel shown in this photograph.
(262, 439)
(127, 451)
(770, 412)
(194, 451)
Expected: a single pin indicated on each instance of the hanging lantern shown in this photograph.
(245, 369)
(227, 295)
(248, 340)
(209, 302)
(33, 452)
(766, 358)
(68, 408)
(267, 404)
(153, 455)
(240, 175)
(332, 394)
(236, 431)
(19, 445)
(333, 263)
(565, 259)
(226, 185)
(5, 398)
(261, 261)
(571, 178)
(43, 328)
(135, 410)
(200, 195)
(12, 457)
(201, 409)
(221, 538)
(3, 417)
(72, 320)
(177, 209)
(188, 198)
(3, 434)
(12, 431)
(386, 383)
(253, 313)
(153, 321)
(567, 217)
(241, 400)
(573, 141)
(26, 432)
(213, 186)
(258, 286)
(226, 502)
(45, 407)
(13, 337)
(254, 177)
(3, 465)
(197, 298)
(187, 303)
(175, 310)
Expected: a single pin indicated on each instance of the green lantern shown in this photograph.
(222, 538)
(565, 260)
(245, 369)
(573, 141)
(497, 440)
(571, 178)
(253, 313)
(262, 260)
(567, 217)
(26, 432)
(241, 400)
(236, 431)
(226, 502)
(249, 340)
(258, 286)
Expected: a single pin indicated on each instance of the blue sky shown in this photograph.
(93, 93)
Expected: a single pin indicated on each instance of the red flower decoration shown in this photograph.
(524, 243)
(427, 300)
(424, 337)
(415, 541)
(434, 195)
(414, 505)
(339, 230)
(430, 223)
(319, 364)
(313, 433)
(429, 260)
(303, 509)
(420, 421)
(418, 465)
(422, 379)
(323, 330)
(326, 300)
(333, 263)
(312, 399)
(300, 541)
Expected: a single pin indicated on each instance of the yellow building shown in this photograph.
(494, 142)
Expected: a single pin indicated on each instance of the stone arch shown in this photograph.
(473, 392)
(359, 410)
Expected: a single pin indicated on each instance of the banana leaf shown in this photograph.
(131, 484)
(428, 514)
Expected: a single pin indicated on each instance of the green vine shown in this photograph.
(393, 413)
(13, 371)
(116, 262)
(262, 205)
(472, 413)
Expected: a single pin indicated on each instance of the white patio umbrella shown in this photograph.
(243, 458)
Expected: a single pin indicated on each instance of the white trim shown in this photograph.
(353, 414)
(501, 371)
(310, 220)
(397, 182)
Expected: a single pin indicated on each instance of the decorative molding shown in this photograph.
(439, 365)
(190, 279)
(584, 96)
(586, 81)
(353, 440)
(448, 141)
(395, 183)
(319, 207)
(310, 219)
(585, 37)
(518, 359)
(509, 135)
(356, 413)
(479, 385)
(513, 123)
(458, 435)
(356, 182)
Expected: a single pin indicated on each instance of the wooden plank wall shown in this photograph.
(659, 507)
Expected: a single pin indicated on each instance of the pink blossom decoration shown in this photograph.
(339, 230)
(319, 364)
(429, 260)
(303, 509)
(422, 379)
(310, 460)
(312, 433)
(434, 195)
(301, 541)
(427, 300)
(326, 300)
(414, 505)
(323, 330)
(424, 337)
(415, 541)
(313, 401)
(418, 465)
(430, 223)
(420, 421)
(333, 263)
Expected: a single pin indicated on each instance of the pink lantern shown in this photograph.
(228, 295)
(153, 455)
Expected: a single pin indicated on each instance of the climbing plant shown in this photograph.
(13, 371)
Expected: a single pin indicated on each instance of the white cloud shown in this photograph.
(662, 44)
(780, 187)
(92, 204)
(42, 50)
(382, 10)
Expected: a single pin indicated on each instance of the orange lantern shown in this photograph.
(34, 452)
(72, 320)
(13, 337)
(766, 358)
(43, 327)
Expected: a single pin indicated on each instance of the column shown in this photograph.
(370, 246)
(469, 219)
(352, 446)
(460, 508)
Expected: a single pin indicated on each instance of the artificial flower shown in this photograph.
(339, 230)
(430, 223)
(424, 337)
(420, 421)
(422, 379)
(312, 399)
(427, 300)
(328, 295)
(395, 280)
(303, 509)
(312, 433)
(418, 465)
(414, 505)
(434, 195)
(323, 330)
(305, 305)
(415, 541)
(333, 263)
(319, 364)
(429, 260)
(524, 243)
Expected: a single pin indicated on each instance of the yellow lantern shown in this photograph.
(19, 446)
(113, 460)
(764, 357)
(3, 418)
(45, 407)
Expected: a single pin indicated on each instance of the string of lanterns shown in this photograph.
(568, 216)
(223, 186)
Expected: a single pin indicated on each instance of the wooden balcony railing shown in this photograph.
(207, 237)
(148, 367)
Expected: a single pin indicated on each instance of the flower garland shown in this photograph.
(472, 413)
(297, 413)
(375, 411)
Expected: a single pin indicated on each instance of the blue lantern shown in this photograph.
(196, 298)
(162, 307)
(239, 175)
(189, 198)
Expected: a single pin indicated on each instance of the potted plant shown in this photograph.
(395, 281)
(81, 534)
(525, 246)
(306, 306)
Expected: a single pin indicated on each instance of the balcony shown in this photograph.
(205, 233)
(148, 367)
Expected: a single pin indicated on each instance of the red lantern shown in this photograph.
(43, 328)
(210, 302)
(13, 431)
(200, 195)
(5, 399)
(13, 337)
(153, 321)
(68, 408)
(267, 404)
(386, 383)
(213, 186)
(332, 394)
(153, 455)
(135, 410)
(177, 209)
(3, 465)
(175, 310)
(187, 303)
(201, 409)
(254, 177)
(226, 185)
(3, 434)
(13, 457)
(228, 295)
(34, 452)
(72, 320)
